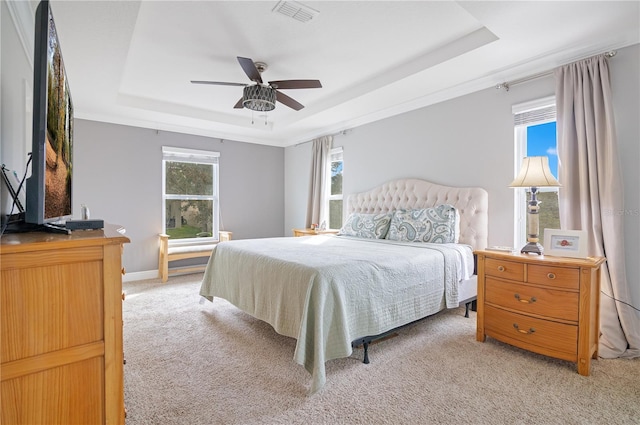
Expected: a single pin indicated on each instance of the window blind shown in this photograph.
(336, 154)
(535, 111)
(535, 115)
(189, 155)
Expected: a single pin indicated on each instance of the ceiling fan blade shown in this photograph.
(218, 83)
(250, 69)
(296, 84)
(239, 104)
(284, 99)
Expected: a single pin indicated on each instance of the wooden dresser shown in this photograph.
(61, 328)
(548, 305)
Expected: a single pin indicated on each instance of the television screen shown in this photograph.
(49, 188)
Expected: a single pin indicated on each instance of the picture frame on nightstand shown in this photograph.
(565, 243)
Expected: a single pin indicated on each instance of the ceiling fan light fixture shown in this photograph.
(259, 98)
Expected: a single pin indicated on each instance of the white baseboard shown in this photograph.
(149, 274)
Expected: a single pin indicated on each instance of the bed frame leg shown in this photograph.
(473, 305)
(365, 345)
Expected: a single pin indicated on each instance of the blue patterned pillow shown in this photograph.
(369, 226)
(435, 225)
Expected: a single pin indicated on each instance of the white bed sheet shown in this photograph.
(326, 291)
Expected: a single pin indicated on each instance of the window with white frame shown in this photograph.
(335, 196)
(535, 135)
(190, 194)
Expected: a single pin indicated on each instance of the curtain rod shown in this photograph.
(507, 84)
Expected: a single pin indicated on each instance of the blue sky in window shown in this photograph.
(541, 141)
(337, 170)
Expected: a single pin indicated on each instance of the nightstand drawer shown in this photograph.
(531, 299)
(560, 277)
(529, 333)
(504, 269)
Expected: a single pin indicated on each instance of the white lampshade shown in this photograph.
(535, 172)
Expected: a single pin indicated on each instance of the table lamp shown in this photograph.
(534, 173)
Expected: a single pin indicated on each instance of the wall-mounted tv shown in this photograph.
(49, 188)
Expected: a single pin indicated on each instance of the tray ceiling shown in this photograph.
(131, 62)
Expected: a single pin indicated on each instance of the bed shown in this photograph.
(329, 291)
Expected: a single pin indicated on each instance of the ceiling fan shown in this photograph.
(261, 96)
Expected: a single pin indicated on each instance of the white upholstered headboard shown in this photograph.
(472, 204)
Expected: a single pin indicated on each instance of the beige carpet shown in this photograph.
(192, 363)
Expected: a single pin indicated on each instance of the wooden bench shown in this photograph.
(168, 254)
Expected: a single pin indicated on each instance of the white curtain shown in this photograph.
(318, 190)
(591, 196)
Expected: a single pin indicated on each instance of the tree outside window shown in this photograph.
(190, 194)
(335, 199)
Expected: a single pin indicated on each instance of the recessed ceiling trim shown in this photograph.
(295, 10)
(190, 112)
(462, 45)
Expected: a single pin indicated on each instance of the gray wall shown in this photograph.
(16, 86)
(118, 175)
(117, 169)
(464, 141)
(625, 82)
(469, 141)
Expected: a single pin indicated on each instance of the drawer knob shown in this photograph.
(551, 275)
(501, 268)
(524, 331)
(522, 300)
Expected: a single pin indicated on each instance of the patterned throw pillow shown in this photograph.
(435, 225)
(368, 226)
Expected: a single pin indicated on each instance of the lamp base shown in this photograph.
(532, 248)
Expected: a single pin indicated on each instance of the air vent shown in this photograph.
(295, 10)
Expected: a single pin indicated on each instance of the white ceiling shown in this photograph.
(131, 62)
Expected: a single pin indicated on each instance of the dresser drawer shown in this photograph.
(532, 334)
(504, 269)
(532, 299)
(561, 277)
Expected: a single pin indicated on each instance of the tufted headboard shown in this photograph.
(472, 204)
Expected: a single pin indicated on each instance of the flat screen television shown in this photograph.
(49, 188)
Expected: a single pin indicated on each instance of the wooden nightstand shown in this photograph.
(312, 232)
(548, 305)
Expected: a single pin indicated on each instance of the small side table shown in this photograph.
(545, 304)
(312, 232)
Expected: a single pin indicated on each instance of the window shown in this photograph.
(335, 198)
(535, 135)
(190, 194)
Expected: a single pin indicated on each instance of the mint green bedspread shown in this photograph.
(326, 291)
